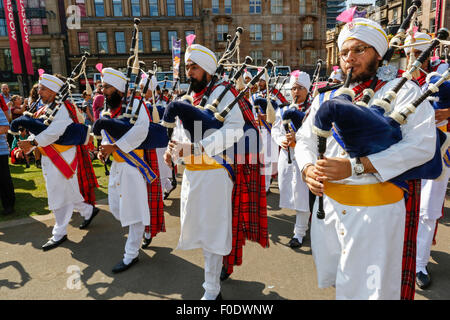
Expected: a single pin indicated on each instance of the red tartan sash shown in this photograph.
(59, 162)
(87, 181)
(361, 87)
(278, 94)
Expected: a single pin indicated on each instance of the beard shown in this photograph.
(198, 85)
(367, 74)
(114, 100)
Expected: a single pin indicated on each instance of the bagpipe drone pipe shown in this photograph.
(208, 118)
(75, 133)
(117, 127)
(367, 130)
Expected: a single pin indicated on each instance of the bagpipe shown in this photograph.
(117, 127)
(190, 114)
(295, 115)
(365, 130)
(75, 133)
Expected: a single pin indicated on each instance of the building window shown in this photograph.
(215, 6)
(141, 42)
(433, 5)
(120, 42)
(314, 55)
(255, 6)
(276, 6)
(171, 8)
(308, 33)
(302, 57)
(276, 32)
(153, 5)
(136, 8)
(3, 29)
(83, 41)
(257, 57)
(228, 9)
(278, 56)
(395, 16)
(302, 5)
(102, 42)
(432, 24)
(222, 32)
(82, 6)
(172, 34)
(155, 38)
(188, 10)
(256, 32)
(117, 8)
(314, 7)
(99, 8)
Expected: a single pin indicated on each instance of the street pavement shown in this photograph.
(80, 269)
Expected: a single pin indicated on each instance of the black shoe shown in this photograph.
(121, 266)
(53, 244)
(219, 296)
(38, 164)
(224, 275)
(8, 211)
(27, 165)
(294, 243)
(86, 222)
(167, 193)
(146, 242)
(423, 280)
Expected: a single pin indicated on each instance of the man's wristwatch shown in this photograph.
(357, 166)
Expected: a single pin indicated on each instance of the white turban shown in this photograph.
(337, 74)
(51, 82)
(152, 85)
(115, 78)
(202, 56)
(367, 31)
(301, 78)
(247, 75)
(419, 37)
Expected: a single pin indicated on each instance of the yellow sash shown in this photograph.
(368, 195)
(117, 158)
(203, 162)
(443, 128)
(60, 148)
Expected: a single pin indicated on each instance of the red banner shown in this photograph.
(25, 36)
(12, 32)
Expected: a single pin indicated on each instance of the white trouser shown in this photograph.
(135, 232)
(425, 233)
(213, 267)
(64, 214)
(301, 224)
(166, 184)
(359, 249)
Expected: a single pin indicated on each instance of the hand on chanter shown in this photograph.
(310, 176)
(333, 169)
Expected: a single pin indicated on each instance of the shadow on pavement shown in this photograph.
(439, 274)
(24, 276)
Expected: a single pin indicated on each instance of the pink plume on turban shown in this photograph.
(347, 15)
(190, 39)
(99, 67)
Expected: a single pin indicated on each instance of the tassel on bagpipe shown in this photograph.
(76, 133)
